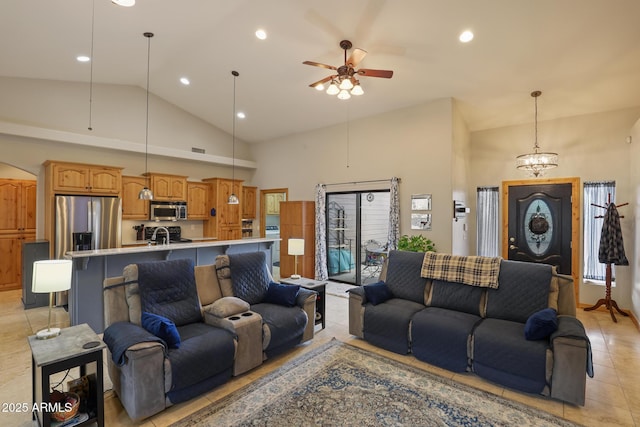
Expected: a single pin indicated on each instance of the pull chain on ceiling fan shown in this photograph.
(345, 82)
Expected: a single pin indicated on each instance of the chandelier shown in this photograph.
(537, 163)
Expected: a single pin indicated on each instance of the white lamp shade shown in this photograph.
(296, 246)
(52, 275)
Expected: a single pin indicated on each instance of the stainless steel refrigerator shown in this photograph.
(86, 223)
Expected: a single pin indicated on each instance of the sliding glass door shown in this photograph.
(357, 230)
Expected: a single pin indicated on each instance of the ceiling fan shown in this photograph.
(345, 82)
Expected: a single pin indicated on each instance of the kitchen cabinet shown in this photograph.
(272, 203)
(197, 200)
(297, 220)
(168, 188)
(249, 202)
(18, 207)
(227, 222)
(17, 224)
(77, 178)
(132, 206)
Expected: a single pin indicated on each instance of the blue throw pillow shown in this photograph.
(377, 293)
(162, 328)
(282, 294)
(541, 324)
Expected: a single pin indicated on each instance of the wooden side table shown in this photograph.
(314, 285)
(77, 346)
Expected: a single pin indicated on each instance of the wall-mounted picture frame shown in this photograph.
(421, 221)
(421, 202)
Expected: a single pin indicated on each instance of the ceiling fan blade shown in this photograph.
(387, 74)
(317, 64)
(319, 82)
(356, 56)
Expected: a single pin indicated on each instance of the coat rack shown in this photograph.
(609, 303)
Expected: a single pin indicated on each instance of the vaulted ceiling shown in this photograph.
(583, 54)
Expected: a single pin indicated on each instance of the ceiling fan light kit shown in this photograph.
(344, 84)
(537, 163)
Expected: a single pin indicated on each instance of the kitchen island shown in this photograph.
(90, 268)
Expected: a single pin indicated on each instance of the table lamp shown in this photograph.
(296, 247)
(49, 276)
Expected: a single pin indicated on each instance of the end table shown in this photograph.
(314, 285)
(76, 346)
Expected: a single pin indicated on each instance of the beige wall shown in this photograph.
(413, 144)
(460, 170)
(634, 214)
(593, 147)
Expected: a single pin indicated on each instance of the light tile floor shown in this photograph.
(613, 395)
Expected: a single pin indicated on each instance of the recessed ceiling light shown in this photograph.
(83, 58)
(185, 81)
(241, 115)
(125, 3)
(466, 36)
(261, 34)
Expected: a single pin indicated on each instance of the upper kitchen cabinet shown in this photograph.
(272, 203)
(18, 208)
(132, 206)
(77, 178)
(168, 188)
(249, 202)
(197, 200)
(226, 224)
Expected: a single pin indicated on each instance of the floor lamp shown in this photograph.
(295, 248)
(50, 276)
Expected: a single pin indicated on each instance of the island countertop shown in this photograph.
(91, 268)
(142, 248)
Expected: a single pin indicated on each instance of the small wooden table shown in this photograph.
(77, 346)
(314, 285)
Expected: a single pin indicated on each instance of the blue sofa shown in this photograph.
(222, 324)
(465, 328)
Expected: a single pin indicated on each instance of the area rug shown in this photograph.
(340, 385)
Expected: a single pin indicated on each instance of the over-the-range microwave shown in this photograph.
(167, 211)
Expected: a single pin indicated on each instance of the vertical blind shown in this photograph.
(600, 193)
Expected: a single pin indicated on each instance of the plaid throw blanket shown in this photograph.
(470, 270)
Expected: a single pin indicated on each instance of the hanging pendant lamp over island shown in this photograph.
(145, 193)
(233, 198)
(537, 163)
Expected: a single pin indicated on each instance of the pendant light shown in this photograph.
(233, 198)
(145, 193)
(537, 163)
(93, 14)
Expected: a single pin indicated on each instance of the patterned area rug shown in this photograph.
(341, 385)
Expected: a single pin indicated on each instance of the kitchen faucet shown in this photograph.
(155, 232)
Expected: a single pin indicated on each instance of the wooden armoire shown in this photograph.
(297, 220)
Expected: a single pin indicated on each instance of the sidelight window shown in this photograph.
(599, 193)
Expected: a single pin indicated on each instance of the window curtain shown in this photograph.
(598, 193)
(488, 220)
(321, 270)
(394, 215)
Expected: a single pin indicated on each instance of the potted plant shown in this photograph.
(416, 243)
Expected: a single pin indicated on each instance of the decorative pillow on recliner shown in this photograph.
(377, 293)
(162, 328)
(541, 324)
(281, 294)
(227, 306)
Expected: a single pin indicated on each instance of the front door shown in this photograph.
(542, 222)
